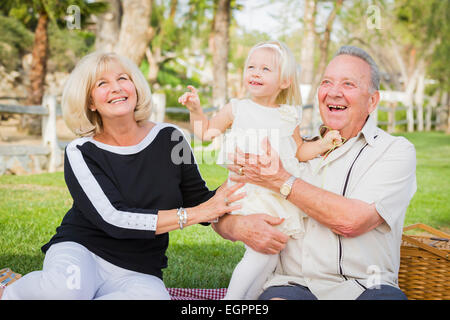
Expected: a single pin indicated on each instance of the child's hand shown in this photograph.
(191, 100)
(331, 140)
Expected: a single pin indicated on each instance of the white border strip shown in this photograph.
(132, 149)
(95, 194)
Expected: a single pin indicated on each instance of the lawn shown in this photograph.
(31, 207)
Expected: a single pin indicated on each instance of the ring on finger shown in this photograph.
(226, 201)
(241, 171)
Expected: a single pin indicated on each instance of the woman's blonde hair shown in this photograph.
(76, 97)
(288, 71)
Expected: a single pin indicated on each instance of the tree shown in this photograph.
(324, 39)
(221, 44)
(135, 31)
(125, 28)
(15, 41)
(39, 60)
(218, 36)
(45, 11)
(108, 26)
(410, 45)
(308, 42)
(426, 28)
(165, 40)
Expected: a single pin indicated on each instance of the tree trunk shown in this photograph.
(410, 87)
(219, 44)
(308, 42)
(323, 47)
(419, 99)
(432, 104)
(155, 59)
(154, 55)
(307, 62)
(153, 65)
(220, 52)
(108, 27)
(410, 101)
(39, 61)
(442, 115)
(135, 32)
(447, 131)
(32, 124)
(173, 8)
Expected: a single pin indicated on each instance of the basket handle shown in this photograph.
(422, 245)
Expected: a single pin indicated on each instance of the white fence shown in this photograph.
(390, 102)
(49, 147)
(394, 101)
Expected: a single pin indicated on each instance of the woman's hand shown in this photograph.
(191, 100)
(220, 203)
(265, 170)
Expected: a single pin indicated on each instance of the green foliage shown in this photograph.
(173, 82)
(15, 41)
(428, 27)
(27, 11)
(67, 46)
(167, 31)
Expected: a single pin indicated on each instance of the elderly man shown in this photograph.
(355, 198)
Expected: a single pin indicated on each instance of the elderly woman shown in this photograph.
(132, 181)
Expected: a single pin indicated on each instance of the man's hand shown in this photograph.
(256, 231)
(265, 170)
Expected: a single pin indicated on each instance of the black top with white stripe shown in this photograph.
(117, 192)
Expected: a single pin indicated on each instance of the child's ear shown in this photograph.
(285, 83)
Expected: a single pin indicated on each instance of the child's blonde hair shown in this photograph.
(288, 71)
(76, 97)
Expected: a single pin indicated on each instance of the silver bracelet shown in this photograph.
(182, 217)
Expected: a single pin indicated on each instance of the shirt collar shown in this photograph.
(368, 131)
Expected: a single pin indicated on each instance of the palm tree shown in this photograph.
(38, 14)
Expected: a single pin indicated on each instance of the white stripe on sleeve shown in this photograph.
(90, 186)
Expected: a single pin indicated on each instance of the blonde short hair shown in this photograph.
(289, 70)
(76, 97)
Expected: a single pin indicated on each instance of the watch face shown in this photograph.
(285, 190)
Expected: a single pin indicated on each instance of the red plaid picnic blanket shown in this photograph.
(190, 294)
(196, 294)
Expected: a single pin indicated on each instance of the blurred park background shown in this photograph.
(204, 43)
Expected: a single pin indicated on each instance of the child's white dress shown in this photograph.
(252, 122)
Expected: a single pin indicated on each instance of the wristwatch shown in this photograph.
(286, 188)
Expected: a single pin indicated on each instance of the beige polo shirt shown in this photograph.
(374, 167)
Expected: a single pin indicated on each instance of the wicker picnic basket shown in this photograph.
(425, 264)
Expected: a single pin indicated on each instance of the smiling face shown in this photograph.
(262, 76)
(114, 93)
(345, 95)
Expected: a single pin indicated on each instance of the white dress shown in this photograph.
(252, 122)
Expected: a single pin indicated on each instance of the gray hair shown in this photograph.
(360, 53)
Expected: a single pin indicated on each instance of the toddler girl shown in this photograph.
(272, 110)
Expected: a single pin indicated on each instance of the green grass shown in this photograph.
(31, 207)
(431, 204)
